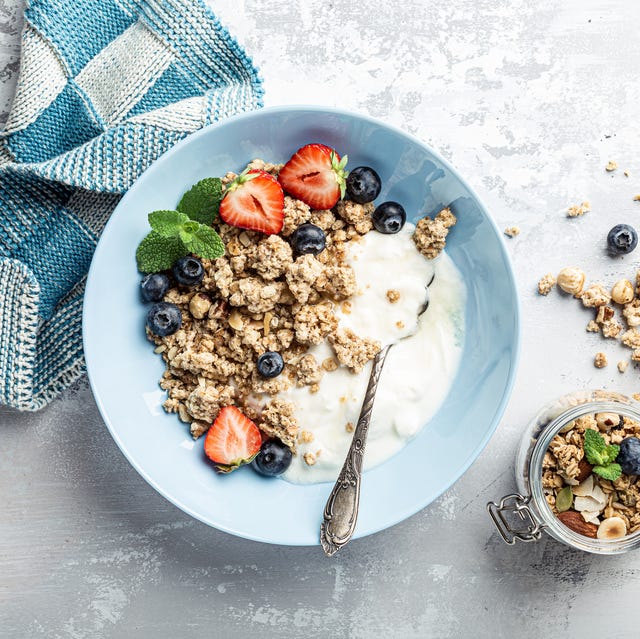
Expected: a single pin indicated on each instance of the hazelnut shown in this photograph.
(571, 280)
(199, 305)
(607, 421)
(622, 292)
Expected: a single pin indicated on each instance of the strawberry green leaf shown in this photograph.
(202, 201)
(610, 471)
(167, 223)
(158, 253)
(206, 243)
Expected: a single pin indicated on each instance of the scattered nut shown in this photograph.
(309, 458)
(622, 365)
(546, 283)
(350, 427)
(636, 198)
(612, 528)
(571, 280)
(600, 360)
(622, 292)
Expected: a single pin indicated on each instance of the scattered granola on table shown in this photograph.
(578, 210)
(546, 283)
(512, 231)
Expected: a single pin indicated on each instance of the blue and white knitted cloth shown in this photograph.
(106, 86)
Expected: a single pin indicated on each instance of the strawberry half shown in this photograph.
(232, 440)
(316, 175)
(254, 201)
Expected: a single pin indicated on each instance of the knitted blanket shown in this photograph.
(106, 86)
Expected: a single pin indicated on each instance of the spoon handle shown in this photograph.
(341, 511)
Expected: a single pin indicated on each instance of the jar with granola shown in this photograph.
(578, 475)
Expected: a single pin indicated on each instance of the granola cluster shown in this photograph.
(595, 498)
(260, 297)
(616, 310)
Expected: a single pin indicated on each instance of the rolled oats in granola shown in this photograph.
(326, 313)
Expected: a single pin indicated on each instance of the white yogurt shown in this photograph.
(419, 369)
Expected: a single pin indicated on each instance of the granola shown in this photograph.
(261, 297)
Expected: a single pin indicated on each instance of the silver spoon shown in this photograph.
(341, 510)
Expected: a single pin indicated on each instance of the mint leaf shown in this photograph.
(167, 223)
(206, 243)
(595, 447)
(611, 452)
(202, 201)
(610, 471)
(158, 253)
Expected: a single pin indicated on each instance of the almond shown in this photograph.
(573, 520)
(584, 470)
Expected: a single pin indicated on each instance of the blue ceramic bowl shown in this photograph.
(124, 371)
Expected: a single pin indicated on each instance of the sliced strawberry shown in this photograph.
(315, 174)
(232, 440)
(254, 201)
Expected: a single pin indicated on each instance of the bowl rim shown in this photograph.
(324, 110)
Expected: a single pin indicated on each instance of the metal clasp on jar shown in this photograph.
(514, 520)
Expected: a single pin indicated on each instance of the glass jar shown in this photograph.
(526, 515)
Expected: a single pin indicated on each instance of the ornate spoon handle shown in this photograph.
(341, 511)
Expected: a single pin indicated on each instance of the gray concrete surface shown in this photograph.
(529, 100)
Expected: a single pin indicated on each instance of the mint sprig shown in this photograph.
(175, 234)
(601, 455)
(202, 201)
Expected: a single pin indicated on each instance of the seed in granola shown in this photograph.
(571, 280)
(600, 360)
(564, 499)
(235, 320)
(622, 292)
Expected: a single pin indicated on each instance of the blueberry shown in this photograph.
(308, 238)
(153, 287)
(622, 238)
(188, 271)
(629, 456)
(363, 185)
(389, 217)
(273, 459)
(270, 364)
(164, 319)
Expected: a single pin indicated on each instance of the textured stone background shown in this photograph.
(529, 100)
